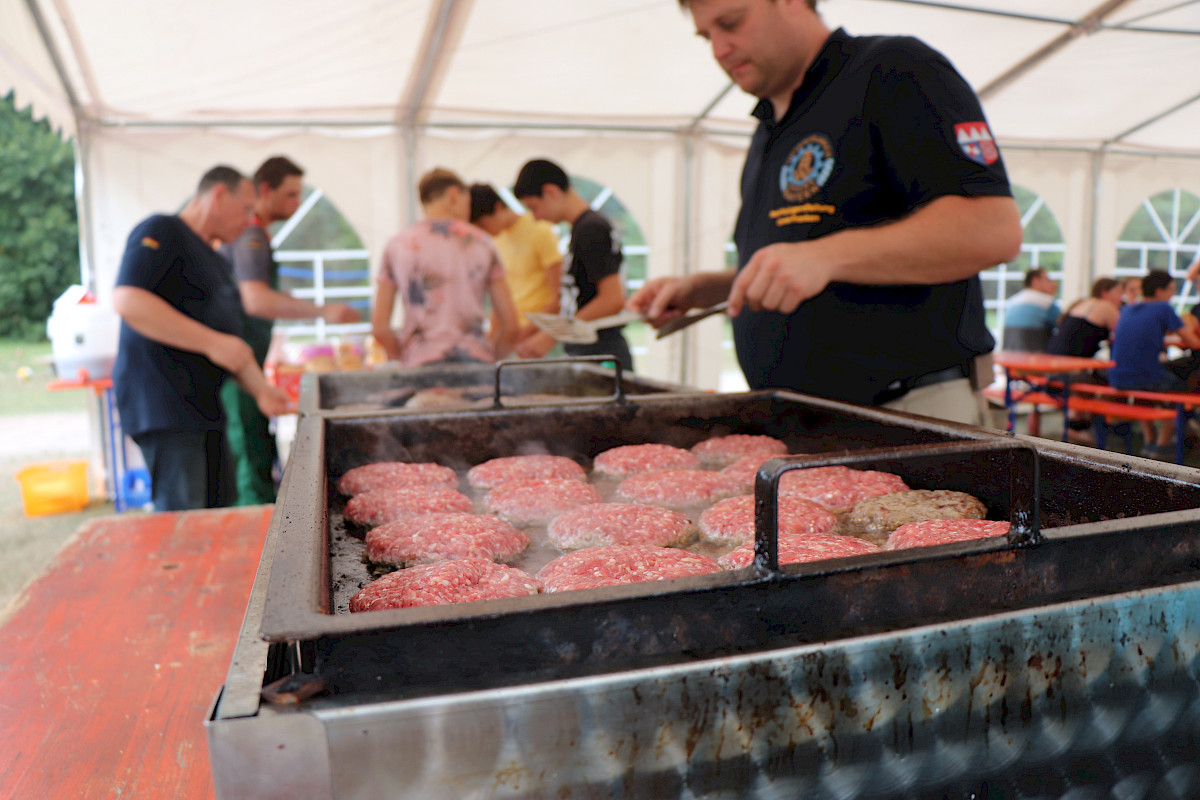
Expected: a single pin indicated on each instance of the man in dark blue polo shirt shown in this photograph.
(872, 196)
(181, 322)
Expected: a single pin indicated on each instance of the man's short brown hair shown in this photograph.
(434, 184)
(274, 170)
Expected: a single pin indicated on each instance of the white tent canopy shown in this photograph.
(1095, 104)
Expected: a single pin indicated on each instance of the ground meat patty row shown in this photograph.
(621, 564)
(497, 471)
(676, 488)
(533, 502)
(384, 474)
(631, 459)
(720, 451)
(732, 521)
(799, 548)
(943, 531)
(600, 524)
(885, 513)
(464, 581)
(445, 536)
(377, 506)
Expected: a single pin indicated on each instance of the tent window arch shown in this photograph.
(321, 258)
(1163, 233)
(1042, 246)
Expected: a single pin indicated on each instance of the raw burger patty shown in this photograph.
(839, 488)
(463, 581)
(396, 473)
(630, 459)
(599, 524)
(532, 502)
(886, 513)
(797, 548)
(444, 537)
(377, 506)
(721, 451)
(621, 563)
(731, 521)
(519, 468)
(676, 488)
(943, 531)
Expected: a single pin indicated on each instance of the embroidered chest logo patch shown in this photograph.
(976, 142)
(807, 168)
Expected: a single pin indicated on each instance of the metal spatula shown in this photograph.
(679, 323)
(578, 331)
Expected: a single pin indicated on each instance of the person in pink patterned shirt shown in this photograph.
(444, 269)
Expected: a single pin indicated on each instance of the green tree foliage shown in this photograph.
(39, 234)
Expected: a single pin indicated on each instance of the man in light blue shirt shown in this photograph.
(1031, 315)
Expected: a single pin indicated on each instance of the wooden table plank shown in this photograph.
(110, 660)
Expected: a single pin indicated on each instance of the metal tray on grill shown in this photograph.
(472, 386)
(973, 666)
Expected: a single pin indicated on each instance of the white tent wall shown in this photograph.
(138, 172)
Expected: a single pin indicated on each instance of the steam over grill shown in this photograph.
(1063, 653)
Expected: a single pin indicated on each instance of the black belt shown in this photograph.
(898, 388)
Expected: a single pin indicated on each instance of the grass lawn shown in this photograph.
(30, 396)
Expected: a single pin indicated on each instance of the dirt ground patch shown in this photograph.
(27, 544)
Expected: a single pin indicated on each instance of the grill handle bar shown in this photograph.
(1023, 486)
(618, 395)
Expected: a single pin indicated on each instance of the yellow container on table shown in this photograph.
(54, 487)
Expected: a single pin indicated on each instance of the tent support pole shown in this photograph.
(689, 246)
(1094, 215)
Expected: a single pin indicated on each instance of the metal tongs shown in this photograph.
(578, 331)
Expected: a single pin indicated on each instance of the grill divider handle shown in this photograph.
(618, 395)
(1023, 471)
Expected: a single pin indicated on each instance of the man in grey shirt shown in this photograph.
(278, 186)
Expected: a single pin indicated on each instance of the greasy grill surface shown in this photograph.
(543, 380)
(421, 651)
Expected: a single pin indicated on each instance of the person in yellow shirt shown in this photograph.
(529, 250)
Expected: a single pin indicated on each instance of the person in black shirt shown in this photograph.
(592, 283)
(181, 325)
(873, 194)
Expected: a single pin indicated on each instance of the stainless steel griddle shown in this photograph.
(1062, 658)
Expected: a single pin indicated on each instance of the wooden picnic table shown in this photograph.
(1020, 365)
(110, 660)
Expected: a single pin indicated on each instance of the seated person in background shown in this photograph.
(444, 269)
(529, 250)
(1088, 322)
(1131, 290)
(1137, 345)
(1031, 314)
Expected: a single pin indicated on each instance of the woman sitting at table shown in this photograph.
(1088, 322)
(1137, 346)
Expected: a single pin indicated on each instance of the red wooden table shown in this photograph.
(111, 658)
(1018, 364)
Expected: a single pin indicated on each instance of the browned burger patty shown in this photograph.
(798, 548)
(377, 506)
(620, 564)
(721, 451)
(943, 531)
(676, 488)
(600, 524)
(533, 502)
(463, 581)
(444, 537)
(883, 514)
(383, 474)
(492, 473)
(731, 521)
(630, 459)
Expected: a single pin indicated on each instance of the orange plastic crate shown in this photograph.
(54, 487)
